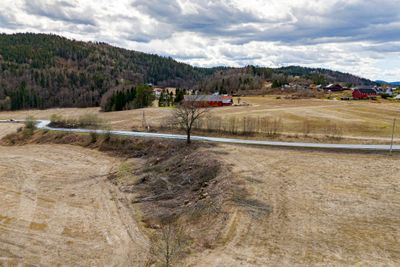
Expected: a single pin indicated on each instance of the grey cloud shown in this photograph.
(60, 11)
(384, 48)
(355, 21)
(361, 21)
(188, 56)
(8, 21)
(215, 18)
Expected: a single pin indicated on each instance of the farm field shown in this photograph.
(330, 209)
(58, 207)
(360, 120)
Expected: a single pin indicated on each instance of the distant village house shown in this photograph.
(364, 93)
(334, 88)
(210, 100)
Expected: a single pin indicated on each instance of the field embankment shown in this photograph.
(160, 184)
(57, 208)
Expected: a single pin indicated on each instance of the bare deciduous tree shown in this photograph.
(188, 112)
(169, 244)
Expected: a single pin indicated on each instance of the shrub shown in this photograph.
(107, 134)
(306, 129)
(169, 244)
(93, 137)
(56, 118)
(30, 123)
(332, 130)
(90, 120)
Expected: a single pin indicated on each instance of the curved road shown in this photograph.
(43, 124)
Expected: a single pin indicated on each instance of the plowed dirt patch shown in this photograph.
(57, 207)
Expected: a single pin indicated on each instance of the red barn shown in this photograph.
(211, 100)
(364, 93)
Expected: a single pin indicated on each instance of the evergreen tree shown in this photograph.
(180, 95)
(161, 101)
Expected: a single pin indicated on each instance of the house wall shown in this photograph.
(358, 95)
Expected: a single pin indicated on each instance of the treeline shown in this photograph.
(167, 98)
(252, 79)
(323, 76)
(140, 96)
(235, 81)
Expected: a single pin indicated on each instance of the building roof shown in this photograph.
(366, 90)
(207, 98)
(333, 86)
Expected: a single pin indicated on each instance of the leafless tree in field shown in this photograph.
(187, 113)
(169, 244)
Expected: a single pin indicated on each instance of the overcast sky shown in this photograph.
(357, 36)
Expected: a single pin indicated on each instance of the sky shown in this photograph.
(356, 36)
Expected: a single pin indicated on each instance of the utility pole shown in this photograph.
(145, 125)
(391, 144)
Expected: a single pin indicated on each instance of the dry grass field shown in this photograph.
(327, 209)
(354, 119)
(58, 209)
(323, 208)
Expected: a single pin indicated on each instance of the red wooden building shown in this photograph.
(211, 100)
(364, 93)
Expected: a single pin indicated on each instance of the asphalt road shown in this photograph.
(44, 125)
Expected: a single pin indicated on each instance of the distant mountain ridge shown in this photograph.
(391, 83)
(43, 71)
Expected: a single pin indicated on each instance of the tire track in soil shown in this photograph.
(57, 207)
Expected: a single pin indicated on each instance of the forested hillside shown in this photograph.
(251, 79)
(43, 71)
(324, 76)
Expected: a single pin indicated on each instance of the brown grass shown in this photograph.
(38, 226)
(356, 119)
(241, 206)
(335, 209)
(58, 208)
(174, 183)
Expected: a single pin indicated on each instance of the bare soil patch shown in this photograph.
(163, 182)
(58, 208)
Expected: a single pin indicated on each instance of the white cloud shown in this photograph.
(357, 36)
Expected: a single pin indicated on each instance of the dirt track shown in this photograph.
(327, 209)
(56, 207)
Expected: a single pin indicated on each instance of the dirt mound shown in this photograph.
(8, 128)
